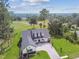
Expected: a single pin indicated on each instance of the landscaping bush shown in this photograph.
(72, 37)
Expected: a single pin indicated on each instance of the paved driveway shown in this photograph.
(50, 50)
(77, 58)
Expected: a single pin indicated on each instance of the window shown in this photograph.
(37, 35)
(30, 50)
(33, 35)
(42, 35)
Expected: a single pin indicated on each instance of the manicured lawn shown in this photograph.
(13, 52)
(72, 50)
(41, 55)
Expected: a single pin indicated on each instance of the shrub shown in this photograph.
(72, 37)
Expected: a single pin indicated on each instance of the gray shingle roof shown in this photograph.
(27, 39)
(44, 31)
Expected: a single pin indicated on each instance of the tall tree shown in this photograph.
(44, 13)
(76, 21)
(55, 28)
(75, 36)
(4, 21)
(33, 20)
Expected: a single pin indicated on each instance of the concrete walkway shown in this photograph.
(50, 50)
(76, 58)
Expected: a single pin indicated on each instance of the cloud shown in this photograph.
(67, 10)
(34, 6)
(29, 2)
(36, 1)
(12, 0)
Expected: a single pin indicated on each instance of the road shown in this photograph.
(50, 50)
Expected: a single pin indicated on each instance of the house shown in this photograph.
(33, 38)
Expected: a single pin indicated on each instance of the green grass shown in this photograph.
(72, 50)
(41, 55)
(1, 56)
(13, 52)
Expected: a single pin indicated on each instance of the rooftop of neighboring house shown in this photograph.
(29, 36)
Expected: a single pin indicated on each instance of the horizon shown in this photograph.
(39, 13)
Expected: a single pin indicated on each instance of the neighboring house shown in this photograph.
(31, 39)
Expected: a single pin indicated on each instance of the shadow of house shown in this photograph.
(19, 43)
(32, 39)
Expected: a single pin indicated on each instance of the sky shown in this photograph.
(34, 6)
